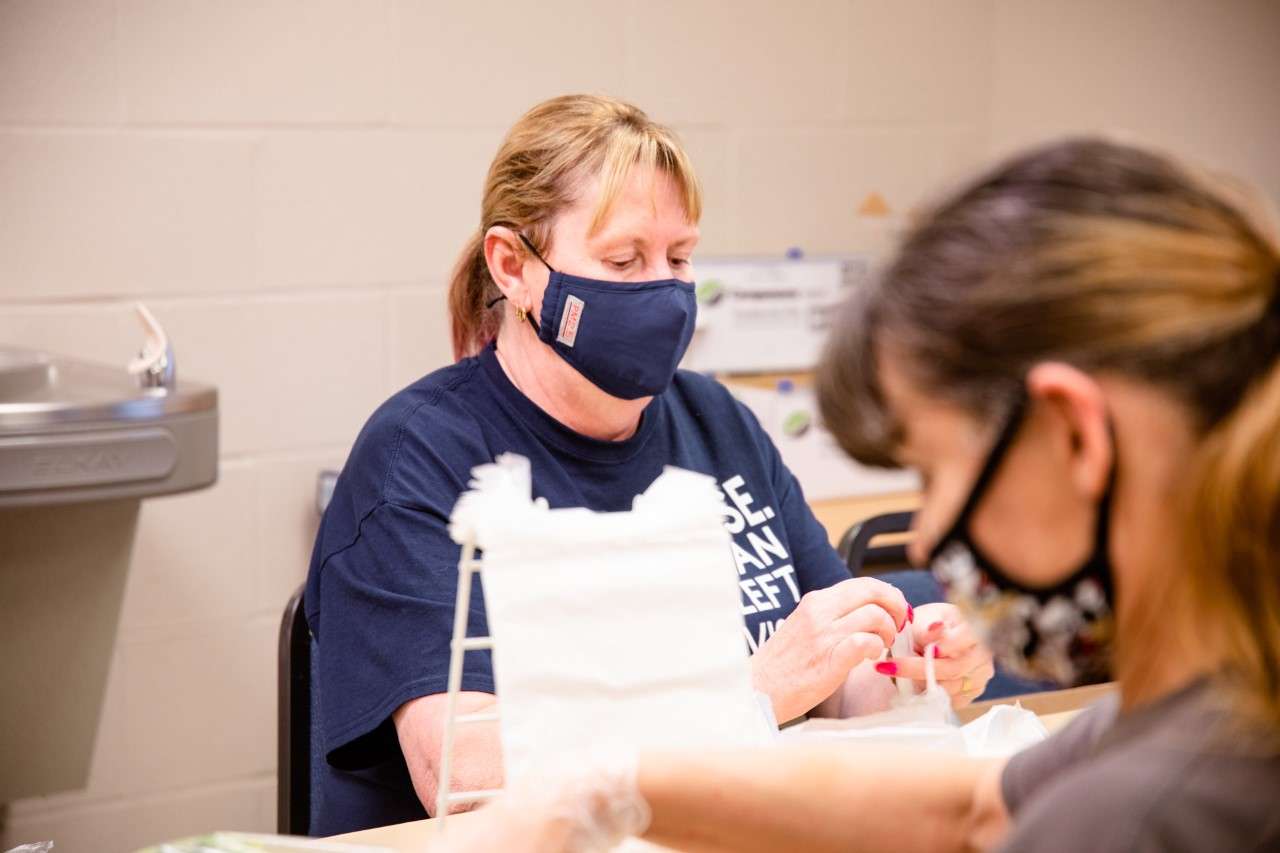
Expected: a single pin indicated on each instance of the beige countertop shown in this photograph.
(1055, 709)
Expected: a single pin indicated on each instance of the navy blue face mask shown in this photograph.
(627, 338)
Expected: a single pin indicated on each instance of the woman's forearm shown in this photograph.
(476, 762)
(836, 797)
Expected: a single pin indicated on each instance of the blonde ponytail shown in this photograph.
(473, 321)
(1234, 530)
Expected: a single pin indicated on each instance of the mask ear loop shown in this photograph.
(995, 456)
(536, 253)
(522, 314)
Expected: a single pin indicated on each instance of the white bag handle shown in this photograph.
(930, 677)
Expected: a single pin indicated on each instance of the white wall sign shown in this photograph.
(768, 314)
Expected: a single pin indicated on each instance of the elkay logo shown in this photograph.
(69, 463)
(569, 320)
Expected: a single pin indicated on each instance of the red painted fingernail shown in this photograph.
(936, 626)
(887, 667)
(936, 654)
(911, 613)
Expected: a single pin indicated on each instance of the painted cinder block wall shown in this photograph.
(286, 183)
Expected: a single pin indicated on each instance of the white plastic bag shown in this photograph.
(926, 721)
(915, 720)
(1002, 731)
(245, 842)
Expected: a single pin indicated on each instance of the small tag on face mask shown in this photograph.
(569, 320)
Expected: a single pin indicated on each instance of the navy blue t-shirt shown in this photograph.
(380, 594)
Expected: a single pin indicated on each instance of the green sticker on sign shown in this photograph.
(710, 291)
(797, 423)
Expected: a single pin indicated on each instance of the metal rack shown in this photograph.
(468, 568)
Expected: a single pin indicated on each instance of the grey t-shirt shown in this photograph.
(1171, 776)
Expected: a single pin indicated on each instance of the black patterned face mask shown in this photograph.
(1061, 633)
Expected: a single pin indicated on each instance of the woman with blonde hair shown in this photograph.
(1080, 353)
(571, 307)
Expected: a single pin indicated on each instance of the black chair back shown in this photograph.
(862, 557)
(293, 712)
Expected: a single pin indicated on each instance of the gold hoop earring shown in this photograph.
(520, 314)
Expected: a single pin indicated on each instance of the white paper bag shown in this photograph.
(612, 631)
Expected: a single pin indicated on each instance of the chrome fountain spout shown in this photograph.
(154, 365)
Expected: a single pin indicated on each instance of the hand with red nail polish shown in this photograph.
(962, 665)
(829, 633)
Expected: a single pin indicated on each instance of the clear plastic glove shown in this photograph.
(916, 720)
(830, 632)
(590, 810)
